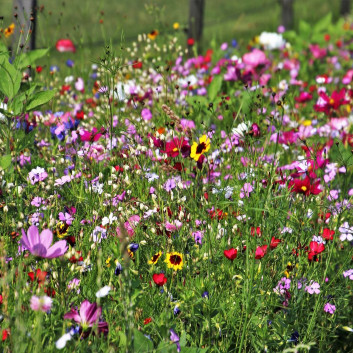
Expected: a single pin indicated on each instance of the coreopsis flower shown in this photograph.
(230, 254)
(159, 279)
(41, 303)
(9, 31)
(155, 258)
(153, 34)
(40, 245)
(174, 260)
(88, 316)
(198, 149)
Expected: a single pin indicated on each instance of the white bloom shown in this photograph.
(103, 292)
(271, 41)
(109, 220)
(241, 129)
(61, 342)
(346, 232)
(3, 106)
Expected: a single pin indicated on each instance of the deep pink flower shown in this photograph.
(260, 252)
(326, 104)
(88, 316)
(255, 58)
(64, 45)
(40, 245)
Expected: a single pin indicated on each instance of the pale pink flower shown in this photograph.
(41, 303)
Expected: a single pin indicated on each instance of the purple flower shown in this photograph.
(37, 201)
(198, 235)
(40, 245)
(169, 185)
(146, 114)
(314, 287)
(36, 175)
(329, 308)
(246, 190)
(88, 316)
(175, 339)
(349, 274)
(67, 218)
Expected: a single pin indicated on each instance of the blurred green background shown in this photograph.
(92, 23)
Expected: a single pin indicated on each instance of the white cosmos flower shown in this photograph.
(103, 292)
(271, 40)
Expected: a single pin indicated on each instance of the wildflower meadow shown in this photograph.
(157, 200)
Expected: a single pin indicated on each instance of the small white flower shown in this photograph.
(241, 129)
(271, 41)
(103, 292)
(61, 342)
(109, 220)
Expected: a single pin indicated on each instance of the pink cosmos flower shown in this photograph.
(88, 316)
(246, 190)
(40, 245)
(41, 303)
(146, 114)
(255, 58)
(64, 45)
(67, 218)
(130, 225)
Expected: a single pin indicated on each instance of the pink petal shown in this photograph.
(24, 240)
(58, 249)
(46, 238)
(33, 236)
(73, 314)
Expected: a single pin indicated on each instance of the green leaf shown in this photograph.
(345, 156)
(324, 23)
(304, 29)
(215, 87)
(10, 78)
(25, 59)
(165, 347)
(5, 161)
(193, 350)
(141, 343)
(39, 99)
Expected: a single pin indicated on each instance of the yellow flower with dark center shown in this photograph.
(61, 230)
(9, 30)
(198, 149)
(155, 258)
(174, 260)
(153, 34)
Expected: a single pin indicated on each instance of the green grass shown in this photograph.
(224, 20)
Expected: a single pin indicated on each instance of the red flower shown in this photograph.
(159, 279)
(80, 115)
(39, 69)
(260, 252)
(303, 97)
(257, 229)
(63, 45)
(173, 147)
(1, 299)
(137, 64)
(315, 249)
(147, 321)
(230, 254)
(334, 102)
(191, 41)
(5, 333)
(39, 276)
(328, 234)
(304, 187)
(274, 243)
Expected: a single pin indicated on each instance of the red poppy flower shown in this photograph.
(230, 254)
(137, 64)
(39, 276)
(65, 45)
(274, 243)
(260, 252)
(159, 279)
(315, 249)
(328, 234)
(39, 69)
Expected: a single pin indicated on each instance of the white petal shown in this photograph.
(103, 292)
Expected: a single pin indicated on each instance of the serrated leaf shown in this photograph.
(10, 78)
(5, 161)
(215, 87)
(141, 343)
(345, 156)
(25, 59)
(39, 99)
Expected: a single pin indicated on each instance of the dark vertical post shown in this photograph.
(287, 14)
(345, 7)
(196, 14)
(25, 24)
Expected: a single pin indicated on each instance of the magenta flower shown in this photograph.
(67, 218)
(40, 245)
(88, 316)
(329, 308)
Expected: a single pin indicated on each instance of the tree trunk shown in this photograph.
(345, 7)
(287, 14)
(25, 25)
(196, 13)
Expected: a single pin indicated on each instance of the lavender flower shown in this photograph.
(314, 287)
(329, 308)
(175, 339)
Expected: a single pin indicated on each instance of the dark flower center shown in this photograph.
(155, 257)
(175, 259)
(200, 148)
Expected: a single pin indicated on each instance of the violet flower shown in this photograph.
(88, 316)
(175, 339)
(40, 245)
